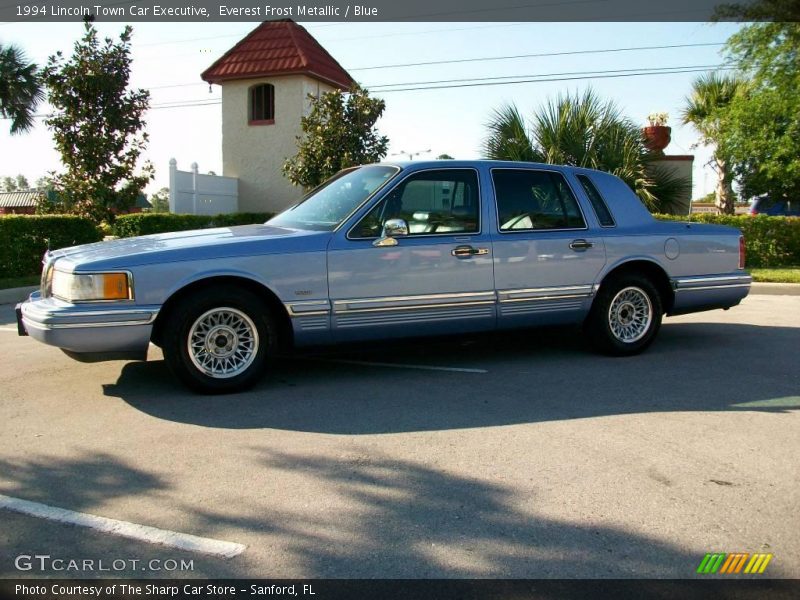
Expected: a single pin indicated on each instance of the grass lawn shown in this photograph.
(777, 275)
(14, 282)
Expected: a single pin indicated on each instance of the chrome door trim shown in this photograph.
(413, 302)
(548, 293)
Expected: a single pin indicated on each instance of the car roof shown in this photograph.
(416, 165)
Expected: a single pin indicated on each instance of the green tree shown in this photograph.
(20, 88)
(762, 125)
(44, 183)
(444, 157)
(8, 184)
(98, 126)
(705, 109)
(160, 200)
(583, 130)
(14, 184)
(339, 132)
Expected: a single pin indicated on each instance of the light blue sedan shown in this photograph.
(389, 251)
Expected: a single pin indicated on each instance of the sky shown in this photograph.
(169, 57)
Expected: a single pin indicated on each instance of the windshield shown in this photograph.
(327, 206)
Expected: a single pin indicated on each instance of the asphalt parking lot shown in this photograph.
(499, 456)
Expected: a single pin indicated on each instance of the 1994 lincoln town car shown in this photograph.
(386, 251)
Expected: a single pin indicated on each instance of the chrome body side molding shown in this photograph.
(710, 282)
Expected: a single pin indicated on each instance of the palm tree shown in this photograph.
(20, 88)
(583, 130)
(711, 94)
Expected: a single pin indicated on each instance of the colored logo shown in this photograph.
(732, 564)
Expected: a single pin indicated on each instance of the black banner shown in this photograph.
(397, 589)
(363, 10)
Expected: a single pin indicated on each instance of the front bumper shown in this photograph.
(98, 328)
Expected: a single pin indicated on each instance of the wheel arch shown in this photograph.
(270, 299)
(653, 271)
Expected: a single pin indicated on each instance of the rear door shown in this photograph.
(546, 257)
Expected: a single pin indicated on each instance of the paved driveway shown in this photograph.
(514, 456)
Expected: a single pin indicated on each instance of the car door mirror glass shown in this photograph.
(395, 228)
(392, 229)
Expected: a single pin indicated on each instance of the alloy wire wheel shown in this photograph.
(219, 339)
(223, 342)
(630, 314)
(625, 316)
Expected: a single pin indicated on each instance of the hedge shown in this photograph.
(25, 238)
(769, 241)
(149, 223)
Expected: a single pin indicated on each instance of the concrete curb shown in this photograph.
(14, 295)
(775, 289)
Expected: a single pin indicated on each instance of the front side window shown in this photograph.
(262, 104)
(535, 200)
(331, 203)
(444, 201)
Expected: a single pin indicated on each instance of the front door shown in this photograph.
(437, 279)
(546, 257)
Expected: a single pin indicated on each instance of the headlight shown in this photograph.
(78, 287)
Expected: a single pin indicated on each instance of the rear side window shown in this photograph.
(598, 204)
(535, 200)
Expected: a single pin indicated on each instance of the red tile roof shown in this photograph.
(278, 48)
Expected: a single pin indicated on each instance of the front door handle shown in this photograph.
(580, 245)
(468, 251)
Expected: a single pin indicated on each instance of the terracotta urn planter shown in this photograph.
(657, 137)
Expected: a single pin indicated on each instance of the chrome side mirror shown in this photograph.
(393, 228)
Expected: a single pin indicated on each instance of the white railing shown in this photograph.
(196, 194)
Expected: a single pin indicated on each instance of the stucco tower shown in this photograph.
(266, 79)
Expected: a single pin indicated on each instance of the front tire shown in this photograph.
(219, 341)
(626, 316)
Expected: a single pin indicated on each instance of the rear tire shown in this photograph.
(625, 316)
(219, 341)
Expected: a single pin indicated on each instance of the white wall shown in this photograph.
(196, 194)
(255, 154)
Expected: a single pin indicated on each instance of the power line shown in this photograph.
(482, 84)
(485, 82)
(537, 55)
(505, 77)
(490, 58)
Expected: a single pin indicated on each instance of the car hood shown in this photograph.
(188, 245)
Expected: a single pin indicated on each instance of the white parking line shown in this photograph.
(14, 329)
(399, 365)
(143, 533)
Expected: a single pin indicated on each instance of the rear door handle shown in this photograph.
(580, 245)
(468, 251)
